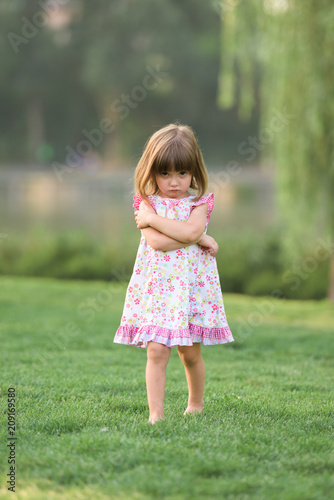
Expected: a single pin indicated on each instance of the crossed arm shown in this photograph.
(167, 234)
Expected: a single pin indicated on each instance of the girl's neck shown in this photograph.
(187, 195)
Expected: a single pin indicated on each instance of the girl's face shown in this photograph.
(174, 184)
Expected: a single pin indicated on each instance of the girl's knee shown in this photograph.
(158, 353)
(190, 355)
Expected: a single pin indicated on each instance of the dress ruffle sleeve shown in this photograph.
(209, 199)
(136, 201)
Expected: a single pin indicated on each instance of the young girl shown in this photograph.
(174, 296)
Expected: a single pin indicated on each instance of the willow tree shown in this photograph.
(281, 51)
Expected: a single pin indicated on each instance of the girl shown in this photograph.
(174, 296)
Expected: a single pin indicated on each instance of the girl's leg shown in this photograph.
(194, 367)
(157, 359)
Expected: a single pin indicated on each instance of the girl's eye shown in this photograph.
(164, 174)
(183, 173)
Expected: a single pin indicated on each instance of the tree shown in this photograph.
(41, 97)
(70, 68)
(125, 37)
(292, 42)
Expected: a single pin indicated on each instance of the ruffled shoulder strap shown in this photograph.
(209, 199)
(136, 201)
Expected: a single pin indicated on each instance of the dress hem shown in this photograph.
(140, 336)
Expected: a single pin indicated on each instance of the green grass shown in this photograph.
(82, 432)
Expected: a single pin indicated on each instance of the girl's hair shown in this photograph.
(172, 147)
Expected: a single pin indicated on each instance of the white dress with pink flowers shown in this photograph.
(174, 297)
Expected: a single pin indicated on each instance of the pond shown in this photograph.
(101, 203)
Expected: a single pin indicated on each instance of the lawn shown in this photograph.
(81, 412)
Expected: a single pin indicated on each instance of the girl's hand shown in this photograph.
(143, 215)
(210, 243)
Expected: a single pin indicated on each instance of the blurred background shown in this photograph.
(83, 85)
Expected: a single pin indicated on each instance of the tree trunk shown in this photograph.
(35, 125)
(331, 279)
(111, 145)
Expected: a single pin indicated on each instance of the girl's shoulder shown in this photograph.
(209, 199)
(153, 199)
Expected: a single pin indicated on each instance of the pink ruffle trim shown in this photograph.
(210, 200)
(140, 336)
(137, 199)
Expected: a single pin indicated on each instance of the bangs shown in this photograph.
(174, 157)
(173, 147)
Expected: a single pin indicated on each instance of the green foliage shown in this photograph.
(265, 432)
(67, 79)
(259, 265)
(241, 43)
(74, 255)
(292, 43)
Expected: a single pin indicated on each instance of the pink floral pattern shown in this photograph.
(174, 297)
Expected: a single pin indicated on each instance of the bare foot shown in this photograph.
(153, 420)
(193, 409)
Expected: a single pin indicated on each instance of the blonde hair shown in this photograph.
(172, 147)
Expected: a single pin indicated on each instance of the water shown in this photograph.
(101, 203)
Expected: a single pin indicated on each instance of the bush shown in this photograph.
(248, 263)
(257, 265)
(68, 255)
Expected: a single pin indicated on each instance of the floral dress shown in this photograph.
(174, 297)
